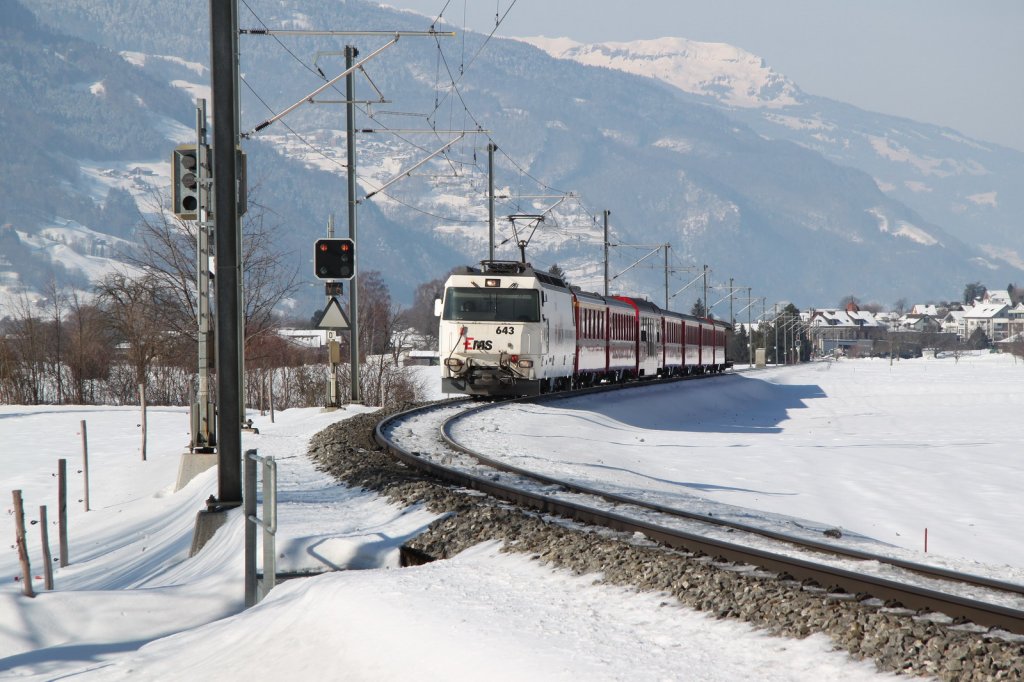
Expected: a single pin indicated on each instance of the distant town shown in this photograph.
(993, 319)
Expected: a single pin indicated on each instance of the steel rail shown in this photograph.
(810, 543)
(910, 596)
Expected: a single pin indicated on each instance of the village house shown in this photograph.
(954, 323)
(830, 330)
(991, 318)
(920, 322)
(1015, 317)
(997, 296)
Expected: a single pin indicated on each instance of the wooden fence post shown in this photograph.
(142, 404)
(62, 509)
(47, 559)
(272, 373)
(19, 526)
(85, 463)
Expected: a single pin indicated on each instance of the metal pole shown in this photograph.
(491, 148)
(775, 311)
(203, 439)
(764, 300)
(785, 339)
(667, 247)
(240, 207)
(750, 327)
(732, 317)
(269, 525)
(706, 291)
(250, 528)
(333, 396)
(350, 135)
(606, 214)
(223, 15)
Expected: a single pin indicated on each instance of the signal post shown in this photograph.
(190, 200)
(334, 259)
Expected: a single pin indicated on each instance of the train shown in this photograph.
(507, 329)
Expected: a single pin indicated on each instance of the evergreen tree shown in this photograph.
(738, 349)
(559, 272)
(974, 291)
(979, 340)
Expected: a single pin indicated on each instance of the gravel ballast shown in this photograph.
(896, 639)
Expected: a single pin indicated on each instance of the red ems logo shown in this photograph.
(476, 344)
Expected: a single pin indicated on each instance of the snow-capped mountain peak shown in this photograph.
(732, 76)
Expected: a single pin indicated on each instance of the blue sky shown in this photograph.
(949, 62)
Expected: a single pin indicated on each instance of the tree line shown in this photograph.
(139, 326)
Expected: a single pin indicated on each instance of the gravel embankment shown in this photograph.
(896, 639)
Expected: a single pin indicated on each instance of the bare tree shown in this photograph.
(421, 315)
(90, 349)
(10, 372)
(376, 319)
(166, 250)
(379, 374)
(138, 311)
(55, 301)
(382, 378)
(849, 300)
(267, 280)
(873, 307)
(26, 350)
(264, 355)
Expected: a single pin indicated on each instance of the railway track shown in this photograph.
(422, 438)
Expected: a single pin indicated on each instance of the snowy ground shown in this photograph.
(881, 450)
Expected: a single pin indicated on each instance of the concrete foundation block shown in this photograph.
(207, 523)
(191, 465)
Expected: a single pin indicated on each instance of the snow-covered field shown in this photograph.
(879, 450)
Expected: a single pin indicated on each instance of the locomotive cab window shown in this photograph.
(491, 305)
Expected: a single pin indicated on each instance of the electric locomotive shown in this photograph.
(508, 329)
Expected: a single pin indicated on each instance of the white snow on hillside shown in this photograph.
(141, 59)
(891, 150)
(902, 228)
(731, 75)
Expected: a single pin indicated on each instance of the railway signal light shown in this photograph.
(334, 258)
(185, 181)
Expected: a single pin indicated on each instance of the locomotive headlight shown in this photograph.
(453, 363)
(525, 364)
